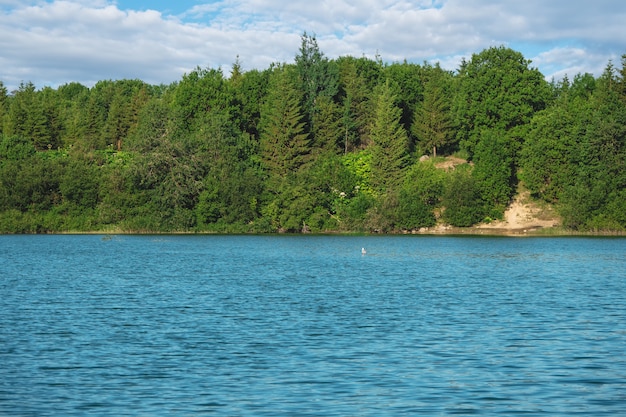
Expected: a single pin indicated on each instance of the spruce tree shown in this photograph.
(433, 125)
(390, 142)
(317, 77)
(285, 146)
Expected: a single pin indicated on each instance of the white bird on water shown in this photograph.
(363, 251)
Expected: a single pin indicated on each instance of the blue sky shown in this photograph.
(175, 7)
(53, 42)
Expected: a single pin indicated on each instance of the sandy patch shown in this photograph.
(523, 214)
(450, 163)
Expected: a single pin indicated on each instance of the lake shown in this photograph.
(309, 326)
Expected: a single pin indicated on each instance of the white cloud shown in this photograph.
(570, 61)
(55, 42)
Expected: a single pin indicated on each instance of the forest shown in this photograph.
(316, 145)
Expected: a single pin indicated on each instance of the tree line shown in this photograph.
(319, 144)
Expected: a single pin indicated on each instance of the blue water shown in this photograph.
(307, 326)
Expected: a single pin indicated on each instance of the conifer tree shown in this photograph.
(3, 105)
(327, 122)
(285, 146)
(390, 143)
(356, 104)
(317, 77)
(622, 79)
(433, 125)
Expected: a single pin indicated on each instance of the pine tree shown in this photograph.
(3, 105)
(357, 106)
(327, 122)
(622, 79)
(285, 146)
(390, 142)
(433, 124)
(317, 76)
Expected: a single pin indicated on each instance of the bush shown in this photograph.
(462, 200)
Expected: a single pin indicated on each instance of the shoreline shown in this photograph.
(439, 230)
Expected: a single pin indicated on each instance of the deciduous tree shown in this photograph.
(497, 89)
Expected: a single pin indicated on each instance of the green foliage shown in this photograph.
(575, 153)
(30, 184)
(551, 151)
(462, 200)
(15, 148)
(332, 186)
(493, 171)
(3, 104)
(313, 146)
(420, 195)
(357, 80)
(200, 92)
(285, 149)
(390, 155)
(408, 79)
(29, 116)
(317, 76)
(360, 165)
(328, 134)
(250, 89)
(497, 90)
(433, 121)
(285, 146)
(79, 184)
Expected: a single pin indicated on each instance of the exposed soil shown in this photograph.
(524, 215)
(450, 163)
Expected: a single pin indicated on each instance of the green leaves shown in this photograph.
(497, 89)
(462, 200)
(318, 144)
(493, 170)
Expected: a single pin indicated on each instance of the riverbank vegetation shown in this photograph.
(348, 144)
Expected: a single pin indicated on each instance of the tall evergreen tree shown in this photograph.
(72, 98)
(285, 146)
(4, 99)
(317, 76)
(390, 143)
(408, 79)
(285, 150)
(433, 123)
(327, 121)
(622, 79)
(356, 96)
(94, 116)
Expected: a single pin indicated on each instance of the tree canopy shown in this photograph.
(318, 144)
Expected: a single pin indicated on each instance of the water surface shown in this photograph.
(308, 326)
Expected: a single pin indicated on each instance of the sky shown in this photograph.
(54, 42)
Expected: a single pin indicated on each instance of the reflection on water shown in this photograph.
(292, 325)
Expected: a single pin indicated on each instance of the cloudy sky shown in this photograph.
(55, 42)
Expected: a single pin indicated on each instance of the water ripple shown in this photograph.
(307, 326)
